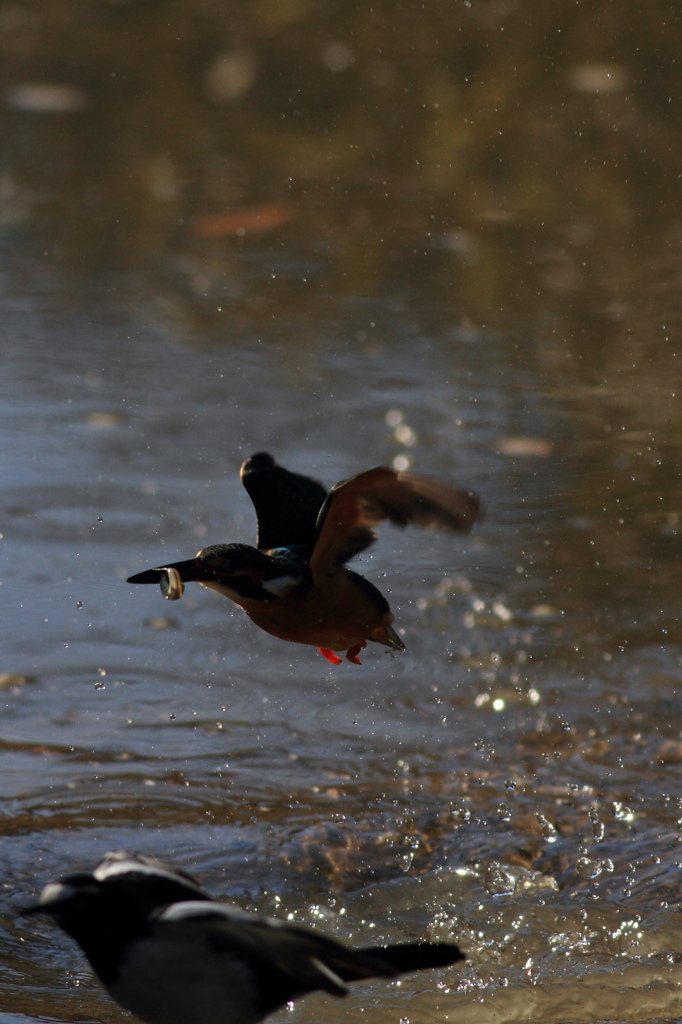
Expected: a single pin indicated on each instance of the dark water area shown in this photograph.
(441, 237)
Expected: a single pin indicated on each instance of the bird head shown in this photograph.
(237, 571)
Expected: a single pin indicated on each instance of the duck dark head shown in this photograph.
(237, 571)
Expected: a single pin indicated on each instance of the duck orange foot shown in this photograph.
(352, 653)
(330, 656)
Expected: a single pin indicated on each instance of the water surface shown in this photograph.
(512, 781)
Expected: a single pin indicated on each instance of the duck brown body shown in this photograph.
(295, 584)
(339, 616)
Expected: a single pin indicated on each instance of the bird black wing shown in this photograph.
(303, 959)
(291, 956)
(287, 504)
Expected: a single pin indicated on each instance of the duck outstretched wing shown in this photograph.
(353, 508)
(287, 504)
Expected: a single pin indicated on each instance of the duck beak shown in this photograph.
(172, 578)
(189, 571)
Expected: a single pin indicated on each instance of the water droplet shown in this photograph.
(589, 868)
(548, 829)
(497, 881)
(598, 829)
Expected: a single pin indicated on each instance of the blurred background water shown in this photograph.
(437, 235)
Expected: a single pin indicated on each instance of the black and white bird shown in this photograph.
(167, 952)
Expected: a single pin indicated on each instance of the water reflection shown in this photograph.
(493, 152)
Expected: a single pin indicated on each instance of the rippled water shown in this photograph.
(512, 781)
